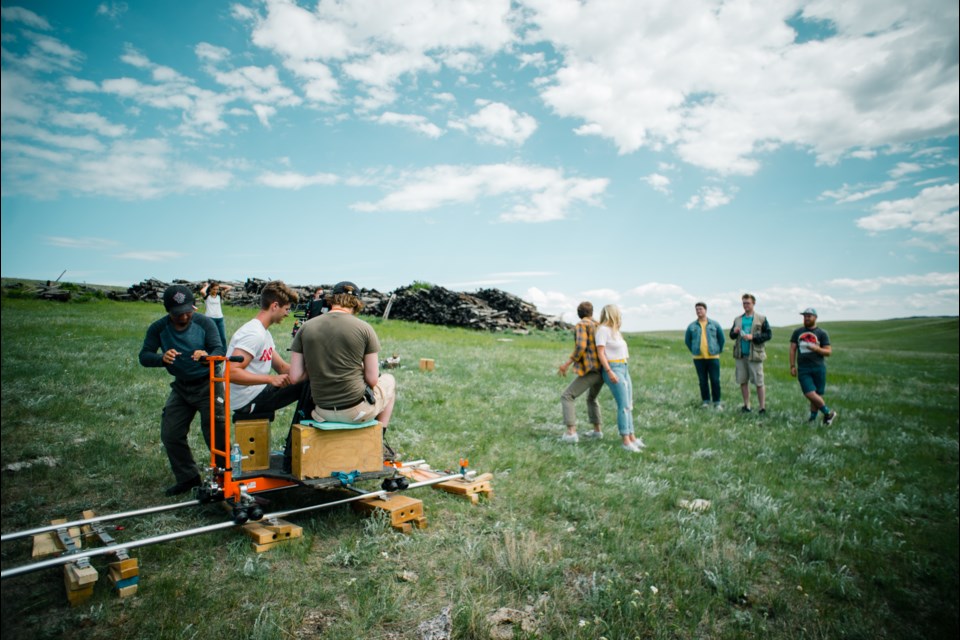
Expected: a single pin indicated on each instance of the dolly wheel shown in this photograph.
(402, 483)
(389, 484)
(255, 512)
(240, 515)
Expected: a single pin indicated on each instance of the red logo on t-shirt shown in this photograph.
(267, 355)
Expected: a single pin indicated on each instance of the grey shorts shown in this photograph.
(749, 371)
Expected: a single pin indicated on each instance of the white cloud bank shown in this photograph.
(535, 194)
(724, 83)
(932, 212)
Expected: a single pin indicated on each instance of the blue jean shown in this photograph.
(708, 370)
(623, 393)
(222, 330)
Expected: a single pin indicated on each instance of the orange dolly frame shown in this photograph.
(223, 483)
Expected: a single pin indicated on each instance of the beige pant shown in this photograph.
(383, 393)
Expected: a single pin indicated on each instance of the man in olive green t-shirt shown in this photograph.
(339, 352)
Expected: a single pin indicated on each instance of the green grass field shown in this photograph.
(846, 532)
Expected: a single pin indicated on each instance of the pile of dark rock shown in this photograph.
(487, 309)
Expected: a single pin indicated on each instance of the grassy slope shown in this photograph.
(850, 532)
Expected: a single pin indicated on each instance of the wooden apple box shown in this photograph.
(320, 448)
(253, 436)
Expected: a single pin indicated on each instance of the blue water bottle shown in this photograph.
(235, 459)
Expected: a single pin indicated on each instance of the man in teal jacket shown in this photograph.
(704, 339)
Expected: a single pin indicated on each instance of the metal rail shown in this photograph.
(16, 535)
(103, 551)
(114, 516)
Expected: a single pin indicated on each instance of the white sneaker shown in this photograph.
(592, 435)
(718, 406)
(639, 443)
(572, 438)
(631, 447)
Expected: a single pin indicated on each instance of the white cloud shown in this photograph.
(128, 169)
(150, 256)
(523, 274)
(853, 193)
(496, 123)
(18, 159)
(462, 61)
(416, 122)
(210, 53)
(57, 140)
(710, 198)
(90, 121)
(553, 303)
(80, 243)
(79, 85)
(536, 60)
(376, 43)
(25, 16)
(317, 80)
(933, 211)
(864, 154)
(933, 279)
(904, 168)
(46, 54)
(658, 182)
(193, 178)
(536, 194)
(296, 181)
(258, 85)
(610, 295)
(112, 10)
(720, 84)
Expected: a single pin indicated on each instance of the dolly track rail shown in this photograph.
(104, 518)
(133, 544)
(16, 535)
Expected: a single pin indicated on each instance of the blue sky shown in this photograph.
(648, 154)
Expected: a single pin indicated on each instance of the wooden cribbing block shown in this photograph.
(471, 488)
(66, 539)
(124, 571)
(427, 364)
(45, 545)
(79, 578)
(124, 586)
(267, 534)
(405, 513)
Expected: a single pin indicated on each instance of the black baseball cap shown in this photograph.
(346, 287)
(178, 299)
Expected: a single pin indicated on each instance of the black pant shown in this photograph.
(708, 368)
(271, 399)
(305, 406)
(185, 401)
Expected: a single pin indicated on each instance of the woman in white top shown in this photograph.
(613, 352)
(213, 308)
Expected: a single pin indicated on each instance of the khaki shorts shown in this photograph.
(749, 371)
(383, 393)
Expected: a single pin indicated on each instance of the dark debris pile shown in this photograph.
(487, 309)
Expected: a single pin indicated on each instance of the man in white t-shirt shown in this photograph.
(253, 388)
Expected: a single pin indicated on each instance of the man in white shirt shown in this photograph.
(253, 387)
